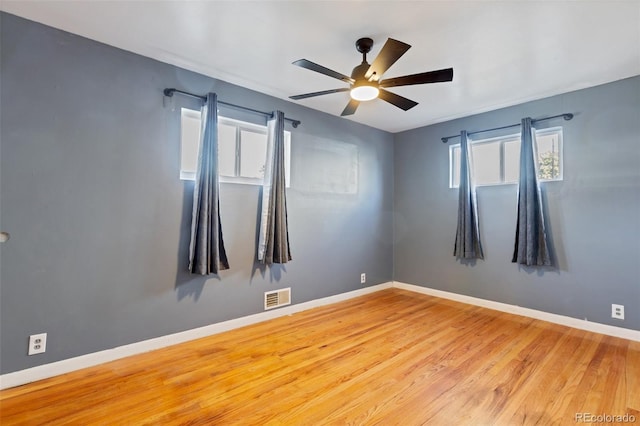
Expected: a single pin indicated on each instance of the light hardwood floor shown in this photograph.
(388, 358)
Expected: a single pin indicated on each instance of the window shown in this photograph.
(242, 149)
(496, 161)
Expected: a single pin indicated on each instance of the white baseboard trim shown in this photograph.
(595, 327)
(46, 371)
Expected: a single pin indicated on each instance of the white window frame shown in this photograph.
(502, 140)
(240, 127)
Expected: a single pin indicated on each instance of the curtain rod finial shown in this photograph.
(567, 116)
(444, 140)
(169, 92)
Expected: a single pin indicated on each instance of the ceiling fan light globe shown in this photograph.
(364, 93)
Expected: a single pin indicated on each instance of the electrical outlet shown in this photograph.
(363, 278)
(37, 343)
(617, 311)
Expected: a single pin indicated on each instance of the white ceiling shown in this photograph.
(503, 52)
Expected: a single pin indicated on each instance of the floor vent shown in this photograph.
(277, 298)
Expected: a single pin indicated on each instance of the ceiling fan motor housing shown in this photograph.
(359, 71)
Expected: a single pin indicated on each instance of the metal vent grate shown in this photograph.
(277, 298)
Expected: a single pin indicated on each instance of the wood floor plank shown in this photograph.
(551, 388)
(633, 377)
(388, 358)
(460, 382)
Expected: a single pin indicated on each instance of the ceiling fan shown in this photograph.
(365, 81)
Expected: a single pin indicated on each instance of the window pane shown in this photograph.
(226, 150)
(454, 172)
(190, 139)
(253, 154)
(497, 160)
(511, 161)
(486, 163)
(548, 156)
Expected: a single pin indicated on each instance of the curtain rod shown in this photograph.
(567, 116)
(171, 91)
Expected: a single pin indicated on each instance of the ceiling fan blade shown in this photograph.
(397, 100)
(389, 54)
(438, 76)
(324, 92)
(322, 70)
(350, 108)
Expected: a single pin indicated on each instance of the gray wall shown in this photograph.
(593, 215)
(99, 219)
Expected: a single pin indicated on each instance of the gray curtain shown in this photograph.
(531, 246)
(273, 245)
(468, 244)
(206, 250)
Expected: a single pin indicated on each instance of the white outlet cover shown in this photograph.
(363, 278)
(37, 343)
(617, 311)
